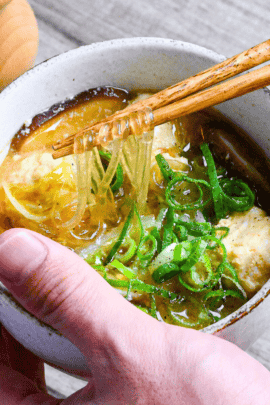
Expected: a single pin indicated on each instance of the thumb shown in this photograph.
(61, 289)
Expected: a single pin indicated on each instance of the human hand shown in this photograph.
(133, 358)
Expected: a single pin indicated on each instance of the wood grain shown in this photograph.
(18, 40)
(227, 27)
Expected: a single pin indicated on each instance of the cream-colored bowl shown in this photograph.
(139, 63)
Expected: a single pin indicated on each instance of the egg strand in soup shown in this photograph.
(153, 214)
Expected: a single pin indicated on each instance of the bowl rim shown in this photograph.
(259, 297)
(103, 45)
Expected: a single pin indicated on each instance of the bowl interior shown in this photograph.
(140, 63)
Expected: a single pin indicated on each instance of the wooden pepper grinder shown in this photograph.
(18, 39)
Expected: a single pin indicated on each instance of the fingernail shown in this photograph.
(20, 254)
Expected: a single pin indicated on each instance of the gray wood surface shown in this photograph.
(225, 26)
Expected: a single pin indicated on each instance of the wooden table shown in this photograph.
(225, 26)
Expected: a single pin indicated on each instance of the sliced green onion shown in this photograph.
(150, 253)
(181, 232)
(201, 284)
(100, 269)
(122, 236)
(222, 228)
(95, 259)
(146, 310)
(165, 256)
(160, 218)
(232, 270)
(168, 228)
(165, 272)
(217, 243)
(237, 195)
(182, 251)
(140, 222)
(223, 293)
(156, 235)
(196, 228)
(228, 195)
(132, 247)
(198, 204)
(119, 176)
(138, 285)
(236, 283)
(219, 204)
(126, 271)
(128, 289)
(188, 323)
(196, 253)
(153, 312)
(195, 276)
(165, 168)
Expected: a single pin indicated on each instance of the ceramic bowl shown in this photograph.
(139, 63)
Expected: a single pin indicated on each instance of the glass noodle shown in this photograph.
(134, 154)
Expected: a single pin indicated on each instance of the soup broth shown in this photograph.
(166, 254)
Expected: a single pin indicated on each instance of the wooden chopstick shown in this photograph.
(215, 95)
(168, 104)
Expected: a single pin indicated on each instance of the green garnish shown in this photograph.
(165, 168)
(126, 271)
(175, 246)
(196, 228)
(119, 176)
(156, 235)
(228, 195)
(182, 251)
(196, 253)
(165, 272)
(142, 252)
(140, 286)
(198, 204)
(223, 293)
(168, 229)
(131, 250)
(121, 238)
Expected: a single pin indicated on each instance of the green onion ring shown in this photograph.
(223, 294)
(197, 252)
(196, 204)
(237, 203)
(221, 228)
(204, 284)
(132, 247)
(151, 252)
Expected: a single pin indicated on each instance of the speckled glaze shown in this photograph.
(139, 63)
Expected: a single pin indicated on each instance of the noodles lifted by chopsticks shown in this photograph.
(132, 153)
